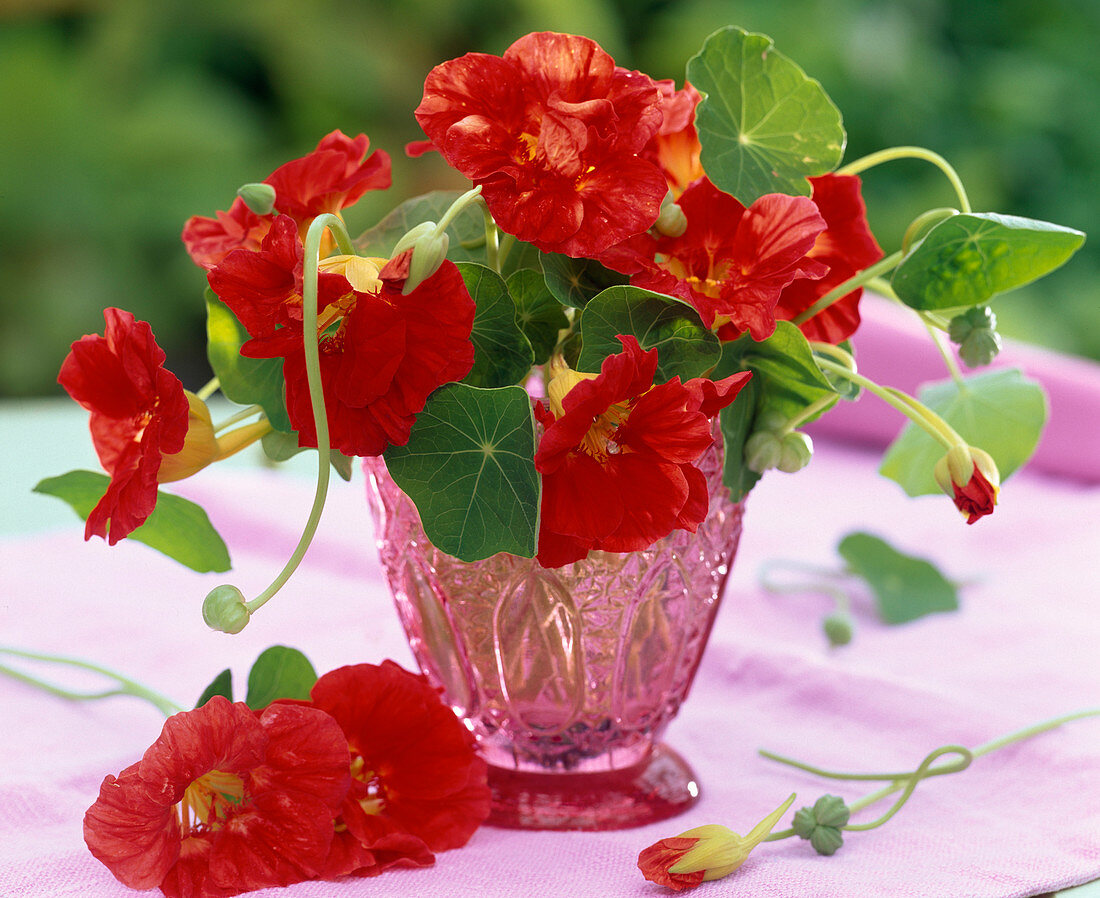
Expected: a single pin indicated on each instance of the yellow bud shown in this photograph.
(200, 447)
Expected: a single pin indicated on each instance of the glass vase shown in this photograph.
(567, 677)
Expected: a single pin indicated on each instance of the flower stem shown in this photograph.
(316, 393)
(125, 686)
(948, 357)
(209, 389)
(907, 782)
(858, 280)
(914, 410)
(889, 155)
(237, 417)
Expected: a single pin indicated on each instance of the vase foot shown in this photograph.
(662, 786)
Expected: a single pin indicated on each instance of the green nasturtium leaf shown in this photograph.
(243, 380)
(1001, 411)
(785, 381)
(764, 126)
(788, 378)
(282, 446)
(178, 528)
(279, 672)
(466, 231)
(469, 468)
(736, 420)
(905, 587)
(684, 346)
(575, 281)
(538, 312)
(967, 259)
(502, 354)
(222, 685)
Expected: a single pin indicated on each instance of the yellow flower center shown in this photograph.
(208, 801)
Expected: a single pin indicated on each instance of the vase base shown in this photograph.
(660, 787)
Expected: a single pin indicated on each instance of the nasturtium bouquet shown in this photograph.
(542, 359)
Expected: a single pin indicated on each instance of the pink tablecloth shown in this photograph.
(1023, 648)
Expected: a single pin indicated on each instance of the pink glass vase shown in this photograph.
(567, 677)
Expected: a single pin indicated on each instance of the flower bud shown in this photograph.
(795, 451)
(224, 609)
(838, 628)
(429, 248)
(763, 451)
(671, 222)
(970, 477)
(200, 447)
(259, 197)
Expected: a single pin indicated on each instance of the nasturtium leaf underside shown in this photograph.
(178, 528)
(684, 346)
(466, 231)
(502, 353)
(243, 380)
(282, 446)
(469, 468)
(222, 685)
(1001, 411)
(538, 312)
(785, 380)
(787, 377)
(765, 127)
(736, 421)
(967, 259)
(279, 672)
(575, 281)
(905, 587)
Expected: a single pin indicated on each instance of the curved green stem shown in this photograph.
(839, 292)
(819, 586)
(914, 410)
(316, 393)
(209, 389)
(126, 686)
(909, 782)
(237, 417)
(948, 357)
(889, 155)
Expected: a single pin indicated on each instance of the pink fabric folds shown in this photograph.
(1023, 648)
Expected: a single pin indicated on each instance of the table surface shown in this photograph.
(1021, 649)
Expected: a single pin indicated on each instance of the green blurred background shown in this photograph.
(118, 120)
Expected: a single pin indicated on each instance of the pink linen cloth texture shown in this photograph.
(1023, 648)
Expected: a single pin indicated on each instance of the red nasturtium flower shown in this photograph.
(336, 174)
(381, 353)
(675, 147)
(731, 263)
(846, 246)
(139, 414)
(225, 801)
(417, 785)
(617, 455)
(552, 132)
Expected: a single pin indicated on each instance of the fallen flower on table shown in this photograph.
(361, 770)
(704, 853)
(225, 801)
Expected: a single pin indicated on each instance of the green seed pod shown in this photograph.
(980, 347)
(826, 840)
(838, 628)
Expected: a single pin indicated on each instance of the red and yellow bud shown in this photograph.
(704, 853)
(970, 477)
